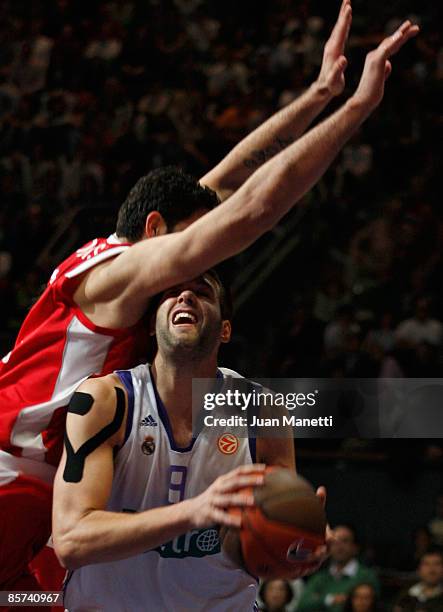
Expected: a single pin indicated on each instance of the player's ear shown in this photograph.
(226, 331)
(155, 225)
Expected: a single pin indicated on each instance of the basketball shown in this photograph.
(281, 531)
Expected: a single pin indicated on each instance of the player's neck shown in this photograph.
(174, 381)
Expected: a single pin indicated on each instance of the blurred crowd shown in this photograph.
(347, 583)
(92, 95)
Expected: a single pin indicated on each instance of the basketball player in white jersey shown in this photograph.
(137, 498)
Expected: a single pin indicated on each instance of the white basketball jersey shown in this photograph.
(190, 572)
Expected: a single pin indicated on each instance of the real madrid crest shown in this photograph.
(148, 446)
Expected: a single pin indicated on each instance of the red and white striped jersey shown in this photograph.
(56, 349)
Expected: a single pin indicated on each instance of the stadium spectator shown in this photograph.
(436, 523)
(362, 598)
(276, 595)
(329, 588)
(427, 594)
(421, 327)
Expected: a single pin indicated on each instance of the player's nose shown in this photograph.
(186, 297)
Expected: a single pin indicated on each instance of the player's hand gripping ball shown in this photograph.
(280, 534)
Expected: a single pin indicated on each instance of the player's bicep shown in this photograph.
(276, 451)
(146, 268)
(84, 477)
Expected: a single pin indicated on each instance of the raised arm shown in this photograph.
(153, 265)
(287, 125)
(84, 531)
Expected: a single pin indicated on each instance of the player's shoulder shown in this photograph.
(89, 256)
(101, 398)
(99, 386)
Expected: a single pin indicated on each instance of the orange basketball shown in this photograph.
(281, 531)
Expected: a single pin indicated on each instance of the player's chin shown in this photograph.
(185, 328)
(186, 332)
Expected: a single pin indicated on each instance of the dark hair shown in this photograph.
(348, 604)
(226, 306)
(169, 191)
(431, 552)
(350, 527)
(289, 591)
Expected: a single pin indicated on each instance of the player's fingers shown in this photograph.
(341, 29)
(341, 64)
(254, 468)
(233, 499)
(391, 45)
(248, 468)
(225, 518)
(388, 69)
(345, 5)
(235, 482)
(329, 535)
(321, 493)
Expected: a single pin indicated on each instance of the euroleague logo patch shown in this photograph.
(227, 444)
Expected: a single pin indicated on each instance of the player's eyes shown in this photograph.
(170, 294)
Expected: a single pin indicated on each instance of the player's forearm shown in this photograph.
(102, 536)
(269, 193)
(231, 227)
(271, 137)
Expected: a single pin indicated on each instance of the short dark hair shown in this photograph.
(226, 305)
(169, 191)
(433, 551)
(350, 527)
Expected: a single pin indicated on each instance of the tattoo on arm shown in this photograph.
(81, 403)
(261, 156)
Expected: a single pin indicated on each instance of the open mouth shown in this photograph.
(184, 317)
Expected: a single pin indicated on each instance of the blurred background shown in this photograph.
(94, 94)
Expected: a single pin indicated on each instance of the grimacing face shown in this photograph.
(188, 320)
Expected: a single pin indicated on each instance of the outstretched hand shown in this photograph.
(377, 67)
(334, 62)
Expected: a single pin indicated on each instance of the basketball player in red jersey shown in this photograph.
(88, 319)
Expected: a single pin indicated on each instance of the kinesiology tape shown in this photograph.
(81, 403)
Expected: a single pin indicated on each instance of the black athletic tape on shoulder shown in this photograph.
(80, 403)
(75, 461)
